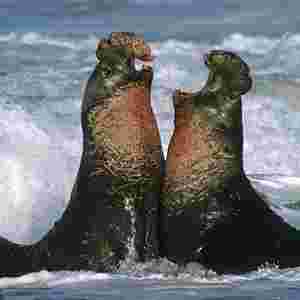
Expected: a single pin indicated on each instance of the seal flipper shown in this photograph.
(119, 127)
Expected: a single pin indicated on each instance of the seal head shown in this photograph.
(135, 46)
(116, 57)
(228, 72)
(122, 160)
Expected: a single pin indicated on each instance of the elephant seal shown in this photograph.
(120, 174)
(114, 202)
(210, 212)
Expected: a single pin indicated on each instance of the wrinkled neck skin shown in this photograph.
(115, 68)
(223, 107)
(217, 96)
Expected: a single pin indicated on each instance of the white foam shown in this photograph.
(35, 178)
(178, 277)
(25, 280)
(67, 278)
(167, 271)
(131, 256)
(89, 43)
(8, 37)
(52, 279)
(272, 184)
(177, 47)
(276, 55)
(270, 146)
(277, 181)
(254, 44)
(33, 38)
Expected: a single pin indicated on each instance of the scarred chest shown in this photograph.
(197, 153)
(126, 132)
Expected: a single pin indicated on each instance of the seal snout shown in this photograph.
(229, 71)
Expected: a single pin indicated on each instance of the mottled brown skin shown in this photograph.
(210, 212)
(122, 162)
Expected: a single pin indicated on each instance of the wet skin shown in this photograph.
(210, 212)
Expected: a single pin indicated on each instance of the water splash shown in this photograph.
(131, 257)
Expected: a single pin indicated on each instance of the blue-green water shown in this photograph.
(47, 49)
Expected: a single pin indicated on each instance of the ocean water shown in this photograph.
(47, 50)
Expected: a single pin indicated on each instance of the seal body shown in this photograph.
(201, 160)
(224, 223)
(114, 202)
(122, 161)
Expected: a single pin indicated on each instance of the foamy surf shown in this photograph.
(39, 39)
(51, 279)
(267, 55)
(162, 273)
(33, 191)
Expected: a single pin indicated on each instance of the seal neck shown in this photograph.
(113, 69)
(183, 112)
